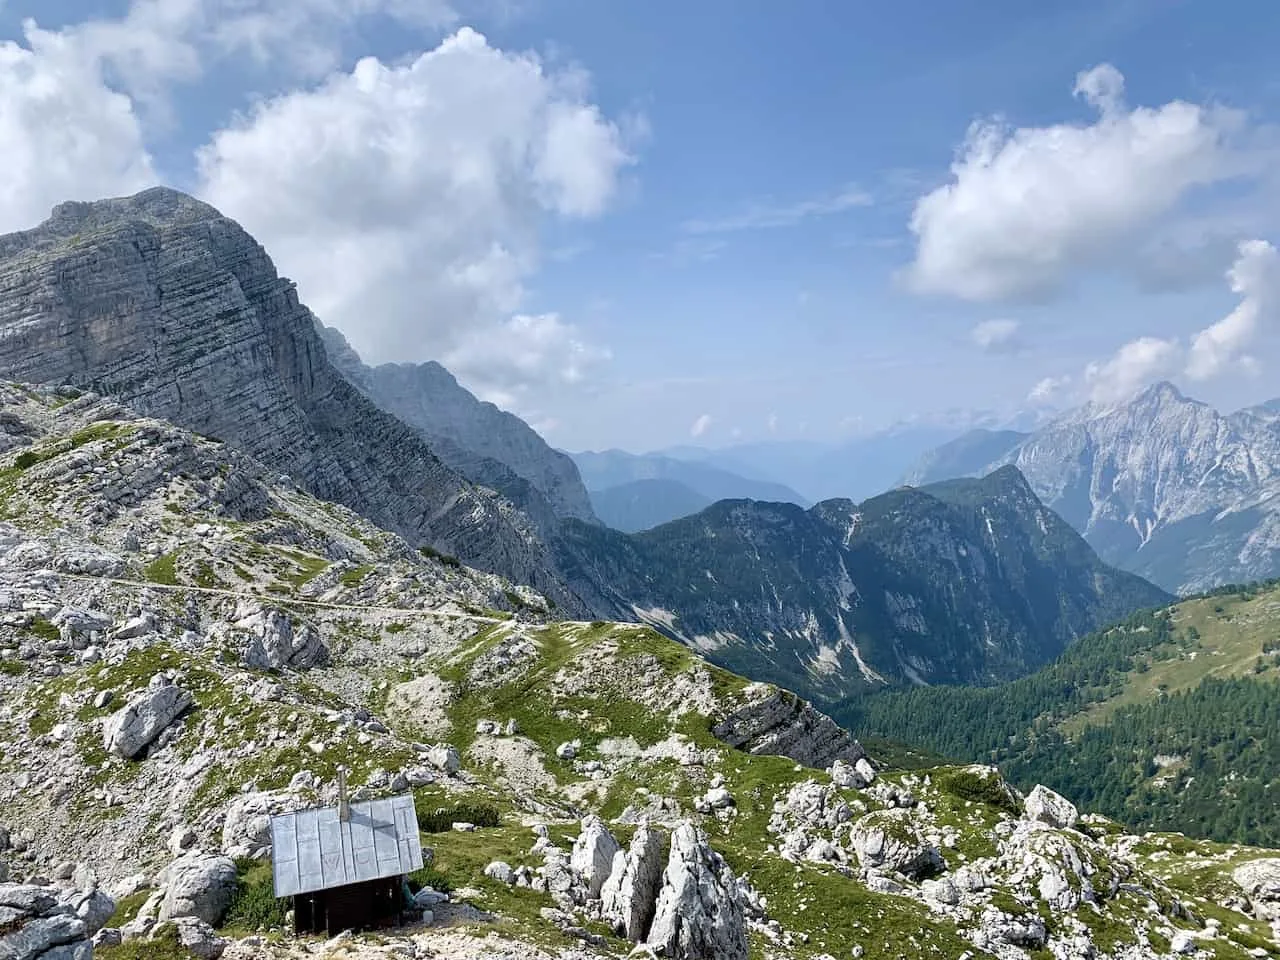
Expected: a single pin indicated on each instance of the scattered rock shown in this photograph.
(444, 757)
(1260, 880)
(501, 871)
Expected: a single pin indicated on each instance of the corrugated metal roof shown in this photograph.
(314, 850)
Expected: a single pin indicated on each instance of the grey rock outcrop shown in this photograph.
(1044, 805)
(129, 731)
(630, 895)
(699, 913)
(890, 840)
(482, 442)
(160, 301)
(246, 827)
(200, 886)
(776, 722)
(48, 923)
(1260, 880)
(274, 643)
(592, 855)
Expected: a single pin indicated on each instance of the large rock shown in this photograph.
(198, 886)
(129, 731)
(699, 913)
(592, 856)
(1044, 805)
(1260, 880)
(274, 644)
(891, 840)
(630, 894)
(49, 923)
(246, 828)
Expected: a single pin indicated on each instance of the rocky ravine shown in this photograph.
(188, 644)
(161, 302)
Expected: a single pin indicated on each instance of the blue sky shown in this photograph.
(747, 224)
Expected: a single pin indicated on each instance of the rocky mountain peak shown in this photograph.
(160, 301)
(484, 443)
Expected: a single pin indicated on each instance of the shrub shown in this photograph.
(254, 905)
(442, 819)
(967, 785)
(429, 876)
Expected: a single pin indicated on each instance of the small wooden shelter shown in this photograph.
(344, 866)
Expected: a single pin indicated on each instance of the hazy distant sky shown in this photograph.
(646, 223)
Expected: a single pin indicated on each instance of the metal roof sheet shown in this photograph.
(314, 850)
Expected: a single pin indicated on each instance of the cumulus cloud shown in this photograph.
(406, 201)
(1133, 366)
(1217, 349)
(1256, 277)
(701, 425)
(523, 358)
(66, 135)
(997, 336)
(74, 101)
(1025, 206)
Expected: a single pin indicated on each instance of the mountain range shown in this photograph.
(968, 581)
(632, 492)
(1161, 485)
(162, 303)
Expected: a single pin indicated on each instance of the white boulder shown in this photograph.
(1044, 805)
(630, 894)
(130, 730)
(592, 855)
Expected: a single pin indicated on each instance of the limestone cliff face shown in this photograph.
(485, 444)
(161, 301)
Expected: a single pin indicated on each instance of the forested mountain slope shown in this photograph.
(1166, 721)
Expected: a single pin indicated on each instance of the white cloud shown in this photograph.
(762, 215)
(1256, 277)
(997, 336)
(1049, 389)
(1217, 349)
(406, 201)
(701, 425)
(1027, 205)
(771, 423)
(66, 135)
(523, 358)
(1133, 366)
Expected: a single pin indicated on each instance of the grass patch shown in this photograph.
(163, 570)
(42, 628)
(12, 668)
(352, 578)
(971, 785)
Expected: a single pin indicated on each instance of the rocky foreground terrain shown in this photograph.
(189, 643)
